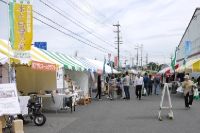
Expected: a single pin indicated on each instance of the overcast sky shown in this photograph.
(157, 24)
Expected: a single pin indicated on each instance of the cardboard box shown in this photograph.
(1, 126)
(18, 126)
(84, 101)
(3, 123)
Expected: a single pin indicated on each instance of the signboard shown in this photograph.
(41, 45)
(22, 54)
(187, 47)
(43, 66)
(9, 104)
(23, 26)
(116, 61)
(60, 80)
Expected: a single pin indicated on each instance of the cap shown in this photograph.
(186, 77)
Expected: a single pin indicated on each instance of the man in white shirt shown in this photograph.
(138, 85)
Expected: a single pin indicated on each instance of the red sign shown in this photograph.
(116, 61)
(43, 66)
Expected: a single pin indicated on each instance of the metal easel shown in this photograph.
(169, 107)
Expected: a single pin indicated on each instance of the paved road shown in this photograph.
(121, 116)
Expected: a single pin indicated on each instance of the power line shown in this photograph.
(68, 35)
(100, 13)
(74, 5)
(74, 21)
(3, 1)
(63, 31)
(80, 11)
(68, 30)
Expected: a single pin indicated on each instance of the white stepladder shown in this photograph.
(169, 107)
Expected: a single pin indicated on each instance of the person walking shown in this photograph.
(118, 85)
(150, 85)
(122, 86)
(138, 83)
(112, 87)
(126, 82)
(146, 79)
(99, 87)
(156, 85)
(187, 86)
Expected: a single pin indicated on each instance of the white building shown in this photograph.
(192, 34)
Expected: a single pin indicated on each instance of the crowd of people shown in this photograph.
(118, 86)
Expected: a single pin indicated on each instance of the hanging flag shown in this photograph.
(11, 20)
(173, 62)
(21, 27)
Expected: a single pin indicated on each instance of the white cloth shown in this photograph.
(23, 102)
(138, 81)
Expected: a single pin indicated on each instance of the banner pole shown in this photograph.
(9, 60)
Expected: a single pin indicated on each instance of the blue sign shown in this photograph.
(187, 48)
(41, 45)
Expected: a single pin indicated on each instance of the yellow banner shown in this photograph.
(196, 67)
(23, 27)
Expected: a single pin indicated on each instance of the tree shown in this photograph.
(153, 66)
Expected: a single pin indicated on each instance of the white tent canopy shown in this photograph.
(163, 71)
(3, 59)
(133, 71)
(99, 65)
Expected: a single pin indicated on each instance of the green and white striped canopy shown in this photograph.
(67, 61)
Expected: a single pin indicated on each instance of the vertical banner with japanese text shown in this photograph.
(21, 27)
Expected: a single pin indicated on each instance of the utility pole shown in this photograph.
(118, 42)
(146, 58)
(132, 62)
(137, 56)
(141, 54)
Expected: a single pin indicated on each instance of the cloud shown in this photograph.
(157, 24)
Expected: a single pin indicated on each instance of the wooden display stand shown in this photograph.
(18, 126)
(2, 123)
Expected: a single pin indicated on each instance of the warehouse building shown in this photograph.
(189, 46)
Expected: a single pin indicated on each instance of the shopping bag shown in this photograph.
(144, 92)
(180, 89)
(196, 94)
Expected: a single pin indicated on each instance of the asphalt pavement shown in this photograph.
(122, 116)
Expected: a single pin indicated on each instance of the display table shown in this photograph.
(57, 102)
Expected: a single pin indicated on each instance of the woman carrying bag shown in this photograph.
(188, 91)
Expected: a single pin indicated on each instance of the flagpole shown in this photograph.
(9, 57)
(175, 64)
